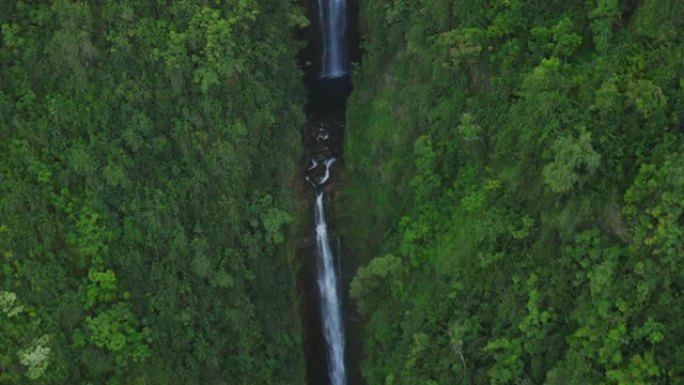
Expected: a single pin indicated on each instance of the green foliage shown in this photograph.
(537, 235)
(8, 304)
(36, 357)
(146, 151)
(602, 18)
(572, 156)
(376, 281)
(115, 329)
(20, 342)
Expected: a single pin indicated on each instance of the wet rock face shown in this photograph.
(319, 172)
(325, 147)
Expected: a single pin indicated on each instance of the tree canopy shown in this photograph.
(520, 166)
(146, 153)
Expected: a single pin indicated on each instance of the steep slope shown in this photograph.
(516, 190)
(146, 154)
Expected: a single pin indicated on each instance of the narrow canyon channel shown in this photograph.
(332, 46)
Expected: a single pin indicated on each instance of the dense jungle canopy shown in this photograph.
(146, 153)
(516, 188)
(513, 188)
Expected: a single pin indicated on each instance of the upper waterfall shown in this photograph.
(332, 15)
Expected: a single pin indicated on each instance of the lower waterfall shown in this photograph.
(328, 285)
(328, 278)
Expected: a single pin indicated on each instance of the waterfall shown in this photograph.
(328, 272)
(331, 309)
(332, 17)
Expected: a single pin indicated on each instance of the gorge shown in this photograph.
(191, 193)
(329, 85)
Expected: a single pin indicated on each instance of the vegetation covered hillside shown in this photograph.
(146, 150)
(520, 170)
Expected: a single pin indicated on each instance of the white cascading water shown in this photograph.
(333, 329)
(333, 21)
(332, 15)
(327, 273)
